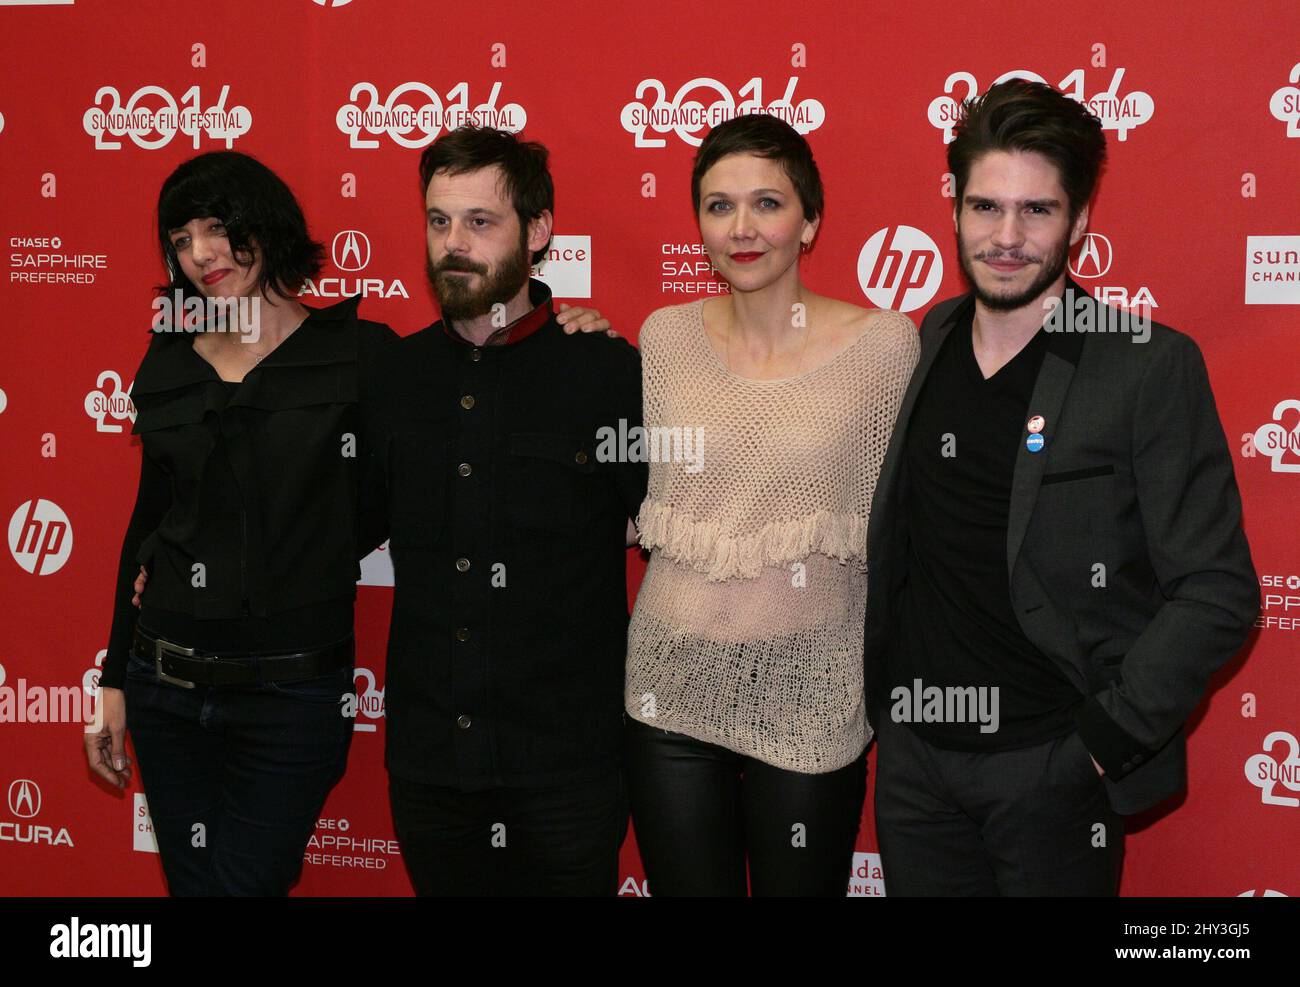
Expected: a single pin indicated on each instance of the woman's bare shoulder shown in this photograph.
(852, 321)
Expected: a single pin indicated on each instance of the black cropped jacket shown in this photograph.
(250, 515)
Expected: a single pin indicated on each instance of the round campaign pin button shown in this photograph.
(1034, 442)
(1036, 423)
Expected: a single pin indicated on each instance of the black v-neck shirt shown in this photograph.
(956, 627)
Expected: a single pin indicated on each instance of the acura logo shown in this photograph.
(351, 250)
(1094, 257)
(24, 798)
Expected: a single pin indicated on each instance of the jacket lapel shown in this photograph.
(1054, 377)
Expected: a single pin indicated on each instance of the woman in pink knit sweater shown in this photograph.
(768, 412)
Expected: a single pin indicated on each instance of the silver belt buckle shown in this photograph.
(163, 647)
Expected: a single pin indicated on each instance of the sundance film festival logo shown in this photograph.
(1277, 441)
(90, 677)
(350, 251)
(152, 117)
(40, 537)
(1273, 270)
(108, 400)
(899, 267)
(1118, 111)
(413, 114)
(1266, 771)
(1285, 104)
(703, 103)
(367, 701)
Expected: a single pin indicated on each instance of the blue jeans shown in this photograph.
(236, 776)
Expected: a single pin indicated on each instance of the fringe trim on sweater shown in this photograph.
(705, 547)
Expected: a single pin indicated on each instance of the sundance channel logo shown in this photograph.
(1273, 270)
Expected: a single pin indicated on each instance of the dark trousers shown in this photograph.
(699, 810)
(1024, 822)
(235, 776)
(559, 840)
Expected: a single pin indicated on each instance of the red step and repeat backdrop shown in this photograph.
(1198, 217)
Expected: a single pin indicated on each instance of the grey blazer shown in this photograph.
(1126, 561)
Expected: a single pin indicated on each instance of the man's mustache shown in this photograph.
(462, 266)
(1011, 255)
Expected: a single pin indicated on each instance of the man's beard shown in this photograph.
(459, 301)
(1050, 268)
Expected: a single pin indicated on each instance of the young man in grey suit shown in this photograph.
(1056, 560)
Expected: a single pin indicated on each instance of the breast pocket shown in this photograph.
(555, 484)
(1075, 519)
(172, 429)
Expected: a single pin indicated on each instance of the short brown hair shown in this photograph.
(767, 137)
(524, 169)
(1020, 115)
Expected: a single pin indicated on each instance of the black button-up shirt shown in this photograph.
(509, 628)
(257, 483)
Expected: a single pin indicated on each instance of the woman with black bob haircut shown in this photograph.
(249, 522)
(256, 204)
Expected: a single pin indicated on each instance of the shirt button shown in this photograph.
(580, 458)
(462, 565)
(462, 633)
(476, 355)
(463, 721)
(464, 469)
(467, 401)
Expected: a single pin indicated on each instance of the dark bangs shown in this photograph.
(254, 205)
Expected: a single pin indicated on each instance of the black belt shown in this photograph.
(189, 667)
